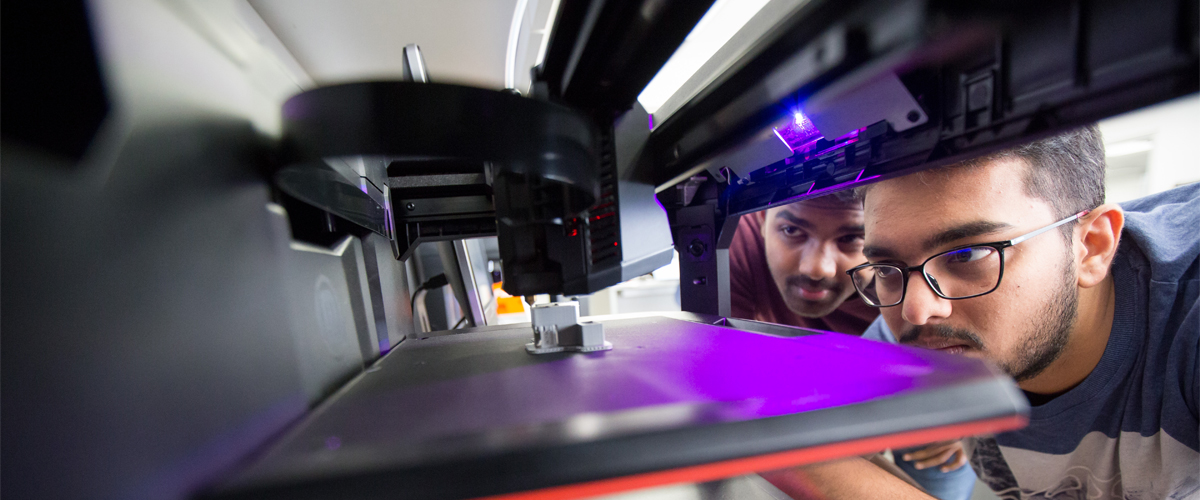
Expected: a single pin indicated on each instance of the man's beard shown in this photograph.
(1045, 343)
(1050, 334)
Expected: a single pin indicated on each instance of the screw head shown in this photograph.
(697, 248)
(411, 206)
(913, 116)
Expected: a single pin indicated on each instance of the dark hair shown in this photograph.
(1065, 170)
(844, 196)
(837, 198)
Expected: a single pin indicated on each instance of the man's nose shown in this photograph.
(920, 304)
(819, 261)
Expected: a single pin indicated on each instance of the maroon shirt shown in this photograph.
(753, 294)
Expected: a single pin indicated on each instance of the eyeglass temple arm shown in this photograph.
(1026, 236)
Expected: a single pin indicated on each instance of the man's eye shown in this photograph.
(887, 273)
(851, 238)
(967, 255)
(791, 231)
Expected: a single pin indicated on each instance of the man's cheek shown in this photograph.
(992, 320)
(845, 265)
(782, 260)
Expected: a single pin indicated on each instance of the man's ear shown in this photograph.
(761, 215)
(1096, 239)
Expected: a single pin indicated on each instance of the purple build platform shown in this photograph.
(472, 414)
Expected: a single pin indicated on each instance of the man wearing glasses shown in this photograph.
(1094, 309)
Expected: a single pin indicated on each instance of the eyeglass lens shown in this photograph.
(959, 273)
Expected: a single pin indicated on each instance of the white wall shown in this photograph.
(1153, 149)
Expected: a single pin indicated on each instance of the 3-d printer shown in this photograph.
(583, 189)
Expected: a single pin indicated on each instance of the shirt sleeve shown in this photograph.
(1193, 319)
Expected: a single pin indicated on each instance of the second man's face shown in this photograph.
(809, 247)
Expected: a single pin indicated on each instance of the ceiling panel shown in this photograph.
(463, 41)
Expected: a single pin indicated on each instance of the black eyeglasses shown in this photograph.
(959, 273)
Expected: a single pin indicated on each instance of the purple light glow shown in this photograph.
(723, 374)
(785, 142)
(801, 121)
(651, 120)
(800, 130)
(663, 375)
(840, 144)
(803, 137)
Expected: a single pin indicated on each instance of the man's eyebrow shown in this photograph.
(794, 219)
(875, 251)
(970, 229)
(859, 229)
(967, 230)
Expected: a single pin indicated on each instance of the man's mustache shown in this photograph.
(943, 332)
(812, 284)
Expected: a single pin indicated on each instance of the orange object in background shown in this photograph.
(506, 303)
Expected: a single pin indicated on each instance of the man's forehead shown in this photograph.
(907, 246)
(905, 216)
(951, 192)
